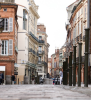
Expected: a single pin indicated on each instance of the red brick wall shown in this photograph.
(9, 61)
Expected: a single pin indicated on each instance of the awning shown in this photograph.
(2, 68)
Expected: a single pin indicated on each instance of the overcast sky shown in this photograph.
(54, 16)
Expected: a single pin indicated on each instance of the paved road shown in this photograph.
(43, 92)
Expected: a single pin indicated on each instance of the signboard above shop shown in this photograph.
(2, 68)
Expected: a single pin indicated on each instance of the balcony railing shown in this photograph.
(41, 62)
(30, 64)
(8, 1)
(41, 52)
(33, 36)
(41, 41)
(32, 51)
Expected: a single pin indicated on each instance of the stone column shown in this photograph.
(79, 67)
(86, 56)
(74, 68)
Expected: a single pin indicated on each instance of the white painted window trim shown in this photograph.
(4, 48)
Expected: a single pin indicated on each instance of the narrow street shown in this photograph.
(43, 92)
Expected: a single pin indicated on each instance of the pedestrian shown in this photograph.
(1, 78)
(13, 78)
(61, 76)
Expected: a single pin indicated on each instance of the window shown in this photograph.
(5, 9)
(40, 48)
(24, 20)
(4, 47)
(39, 58)
(6, 24)
(40, 37)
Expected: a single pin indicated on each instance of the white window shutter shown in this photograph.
(10, 47)
(10, 24)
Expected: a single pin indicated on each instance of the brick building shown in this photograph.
(8, 38)
(55, 63)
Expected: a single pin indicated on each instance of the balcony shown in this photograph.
(40, 52)
(33, 52)
(33, 36)
(84, 38)
(30, 65)
(8, 1)
(41, 62)
(41, 41)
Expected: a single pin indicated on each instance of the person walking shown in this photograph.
(61, 76)
(1, 78)
(13, 78)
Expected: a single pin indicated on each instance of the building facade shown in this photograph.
(77, 22)
(49, 66)
(8, 38)
(27, 39)
(43, 47)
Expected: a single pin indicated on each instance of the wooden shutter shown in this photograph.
(10, 47)
(10, 24)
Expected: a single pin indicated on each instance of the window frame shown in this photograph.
(4, 48)
(5, 25)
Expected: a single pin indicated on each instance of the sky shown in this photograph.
(53, 15)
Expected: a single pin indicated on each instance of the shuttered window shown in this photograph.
(4, 47)
(5, 25)
(10, 24)
(10, 47)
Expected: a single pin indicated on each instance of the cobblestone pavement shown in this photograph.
(43, 92)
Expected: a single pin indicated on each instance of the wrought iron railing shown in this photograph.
(41, 41)
(41, 52)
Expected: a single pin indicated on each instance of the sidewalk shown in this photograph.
(82, 89)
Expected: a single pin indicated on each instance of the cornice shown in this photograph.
(34, 11)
